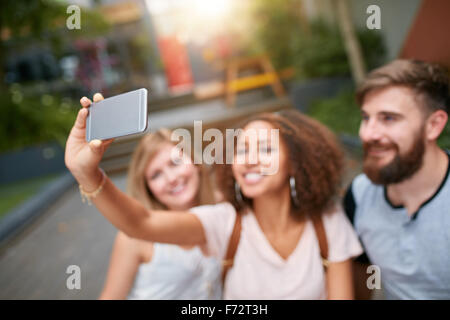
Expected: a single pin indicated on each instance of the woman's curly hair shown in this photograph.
(315, 161)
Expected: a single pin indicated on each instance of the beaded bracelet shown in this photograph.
(87, 196)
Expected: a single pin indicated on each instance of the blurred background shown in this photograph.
(211, 60)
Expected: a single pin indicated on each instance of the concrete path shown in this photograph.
(34, 264)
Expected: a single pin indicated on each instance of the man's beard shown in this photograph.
(402, 167)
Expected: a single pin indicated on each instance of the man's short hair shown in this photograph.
(430, 82)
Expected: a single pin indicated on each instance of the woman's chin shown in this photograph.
(185, 200)
(260, 191)
(252, 192)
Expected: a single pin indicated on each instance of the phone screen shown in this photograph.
(118, 116)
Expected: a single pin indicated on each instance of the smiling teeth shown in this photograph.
(253, 177)
(178, 188)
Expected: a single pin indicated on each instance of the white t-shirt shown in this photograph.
(259, 272)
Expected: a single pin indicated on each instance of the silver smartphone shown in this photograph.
(118, 116)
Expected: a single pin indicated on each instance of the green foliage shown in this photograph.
(444, 139)
(141, 50)
(30, 120)
(22, 17)
(341, 114)
(322, 53)
(372, 47)
(33, 16)
(93, 24)
(317, 50)
(276, 28)
(42, 23)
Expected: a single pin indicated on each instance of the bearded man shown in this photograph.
(400, 205)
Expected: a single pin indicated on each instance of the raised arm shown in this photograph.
(127, 214)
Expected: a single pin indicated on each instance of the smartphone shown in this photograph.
(118, 116)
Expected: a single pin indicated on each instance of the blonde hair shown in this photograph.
(146, 150)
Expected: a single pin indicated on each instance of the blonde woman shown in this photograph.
(278, 255)
(147, 270)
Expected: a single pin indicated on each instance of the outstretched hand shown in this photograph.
(82, 158)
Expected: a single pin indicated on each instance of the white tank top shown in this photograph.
(175, 273)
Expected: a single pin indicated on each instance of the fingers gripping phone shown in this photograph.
(118, 116)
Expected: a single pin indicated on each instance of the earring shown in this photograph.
(294, 192)
(238, 194)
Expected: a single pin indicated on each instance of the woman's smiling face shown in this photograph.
(175, 185)
(253, 160)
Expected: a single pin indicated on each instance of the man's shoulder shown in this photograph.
(354, 194)
(360, 185)
(361, 180)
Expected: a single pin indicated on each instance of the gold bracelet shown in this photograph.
(87, 196)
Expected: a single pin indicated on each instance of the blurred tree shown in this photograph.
(33, 120)
(42, 20)
(141, 50)
(36, 30)
(351, 42)
(316, 48)
(278, 24)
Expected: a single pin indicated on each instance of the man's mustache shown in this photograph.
(376, 144)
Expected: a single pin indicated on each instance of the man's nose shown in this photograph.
(370, 131)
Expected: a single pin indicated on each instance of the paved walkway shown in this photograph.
(33, 266)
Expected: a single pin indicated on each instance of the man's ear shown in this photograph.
(435, 124)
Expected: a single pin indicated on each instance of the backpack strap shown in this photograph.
(322, 238)
(228, 262)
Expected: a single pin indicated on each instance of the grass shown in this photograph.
(14, 194)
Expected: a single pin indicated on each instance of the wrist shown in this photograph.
(90, 180)
(91, 194)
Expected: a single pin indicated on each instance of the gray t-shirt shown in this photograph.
(413, 252)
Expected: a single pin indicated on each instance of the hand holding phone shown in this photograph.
(82, 157)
